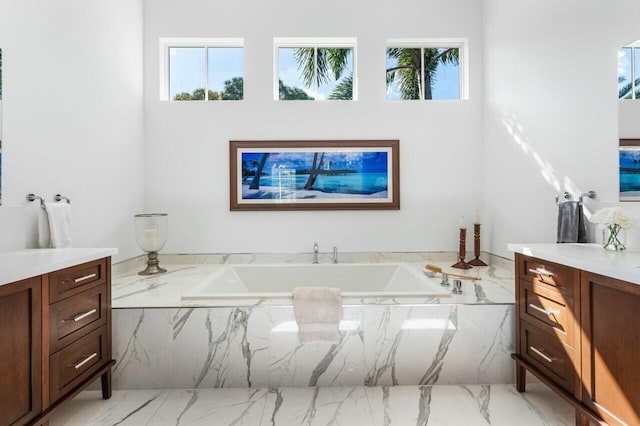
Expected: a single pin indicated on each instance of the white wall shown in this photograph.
(629, 118)
(186, 153)
(72, 117)
(551, 110)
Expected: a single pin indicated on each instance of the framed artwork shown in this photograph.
(629, 169)
(314, 175)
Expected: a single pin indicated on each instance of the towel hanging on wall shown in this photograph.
(572, 227)
(54, 226)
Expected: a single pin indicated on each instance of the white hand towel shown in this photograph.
(44, 238)
(59, 224)
(318, 312)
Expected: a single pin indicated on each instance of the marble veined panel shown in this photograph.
(142, 347)
(316, 364)
(220, 347)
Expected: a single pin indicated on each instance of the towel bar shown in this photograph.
(590, 194)
(59, 198)
(33, 197)
(566, 196)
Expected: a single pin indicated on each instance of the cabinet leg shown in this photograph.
(581, 420)
(521, 377)
(106, 384)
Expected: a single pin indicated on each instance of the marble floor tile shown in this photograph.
(132, 408)
(317, 406)
(437, 405)
(211, 407)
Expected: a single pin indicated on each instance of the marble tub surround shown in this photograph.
(161, 341)
(195, 347)
(187, 271)
(498, 405)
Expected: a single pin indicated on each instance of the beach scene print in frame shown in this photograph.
(629, 169)
(314, 175)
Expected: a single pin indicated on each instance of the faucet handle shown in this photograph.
(316, 248)
(445, 280)
(457, 287)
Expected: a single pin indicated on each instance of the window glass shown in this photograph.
(335, 73)
(423, 73)
(636, 70)
(445, 79)
(403, 73)
(225, 70)
(187, 73)
(295, 81)
(624, 73)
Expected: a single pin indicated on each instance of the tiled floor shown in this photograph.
(376, 406)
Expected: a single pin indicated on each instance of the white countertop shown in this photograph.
(622, 265)
(21, 264)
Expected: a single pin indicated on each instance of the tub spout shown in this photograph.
(334, 258)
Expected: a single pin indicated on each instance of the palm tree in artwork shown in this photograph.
(255, 183)
(314, 171)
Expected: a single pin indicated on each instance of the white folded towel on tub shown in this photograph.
(54, 227)
(318, 312)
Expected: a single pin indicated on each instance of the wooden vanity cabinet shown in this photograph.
(611, 348)
(55, 339)
(579, 333)
(20, 351)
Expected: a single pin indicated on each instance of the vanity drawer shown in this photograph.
(76, 362)
(551, 311)
(548, 355)
(76, 316)
(549, 275)
(67, 282)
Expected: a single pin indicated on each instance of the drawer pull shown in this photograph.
(84, 361)
(86, 277)
(83, 316)
(542, 272)
(540, 354)
(544, 311)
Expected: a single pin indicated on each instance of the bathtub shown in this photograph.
(363, 280)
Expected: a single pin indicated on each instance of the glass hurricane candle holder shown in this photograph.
(151, 234)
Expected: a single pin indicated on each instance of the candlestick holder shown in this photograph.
(476, 247)
(151, 234)
(461, 264)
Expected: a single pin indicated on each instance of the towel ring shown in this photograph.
(566, 196)
(59, 198)
(32, 197)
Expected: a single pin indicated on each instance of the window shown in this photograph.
(426, 69)
(201, 69)
(629, 71)
(314, 69)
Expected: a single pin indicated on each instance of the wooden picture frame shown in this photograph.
(629, 170)
(314, 175)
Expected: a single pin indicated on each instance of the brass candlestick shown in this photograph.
(476, 247)
(461, 264)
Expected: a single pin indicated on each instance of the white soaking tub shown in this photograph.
(362, 280)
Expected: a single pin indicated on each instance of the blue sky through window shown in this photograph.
(445, 84)
(290, 75)
(186, 70)
(225, 63)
